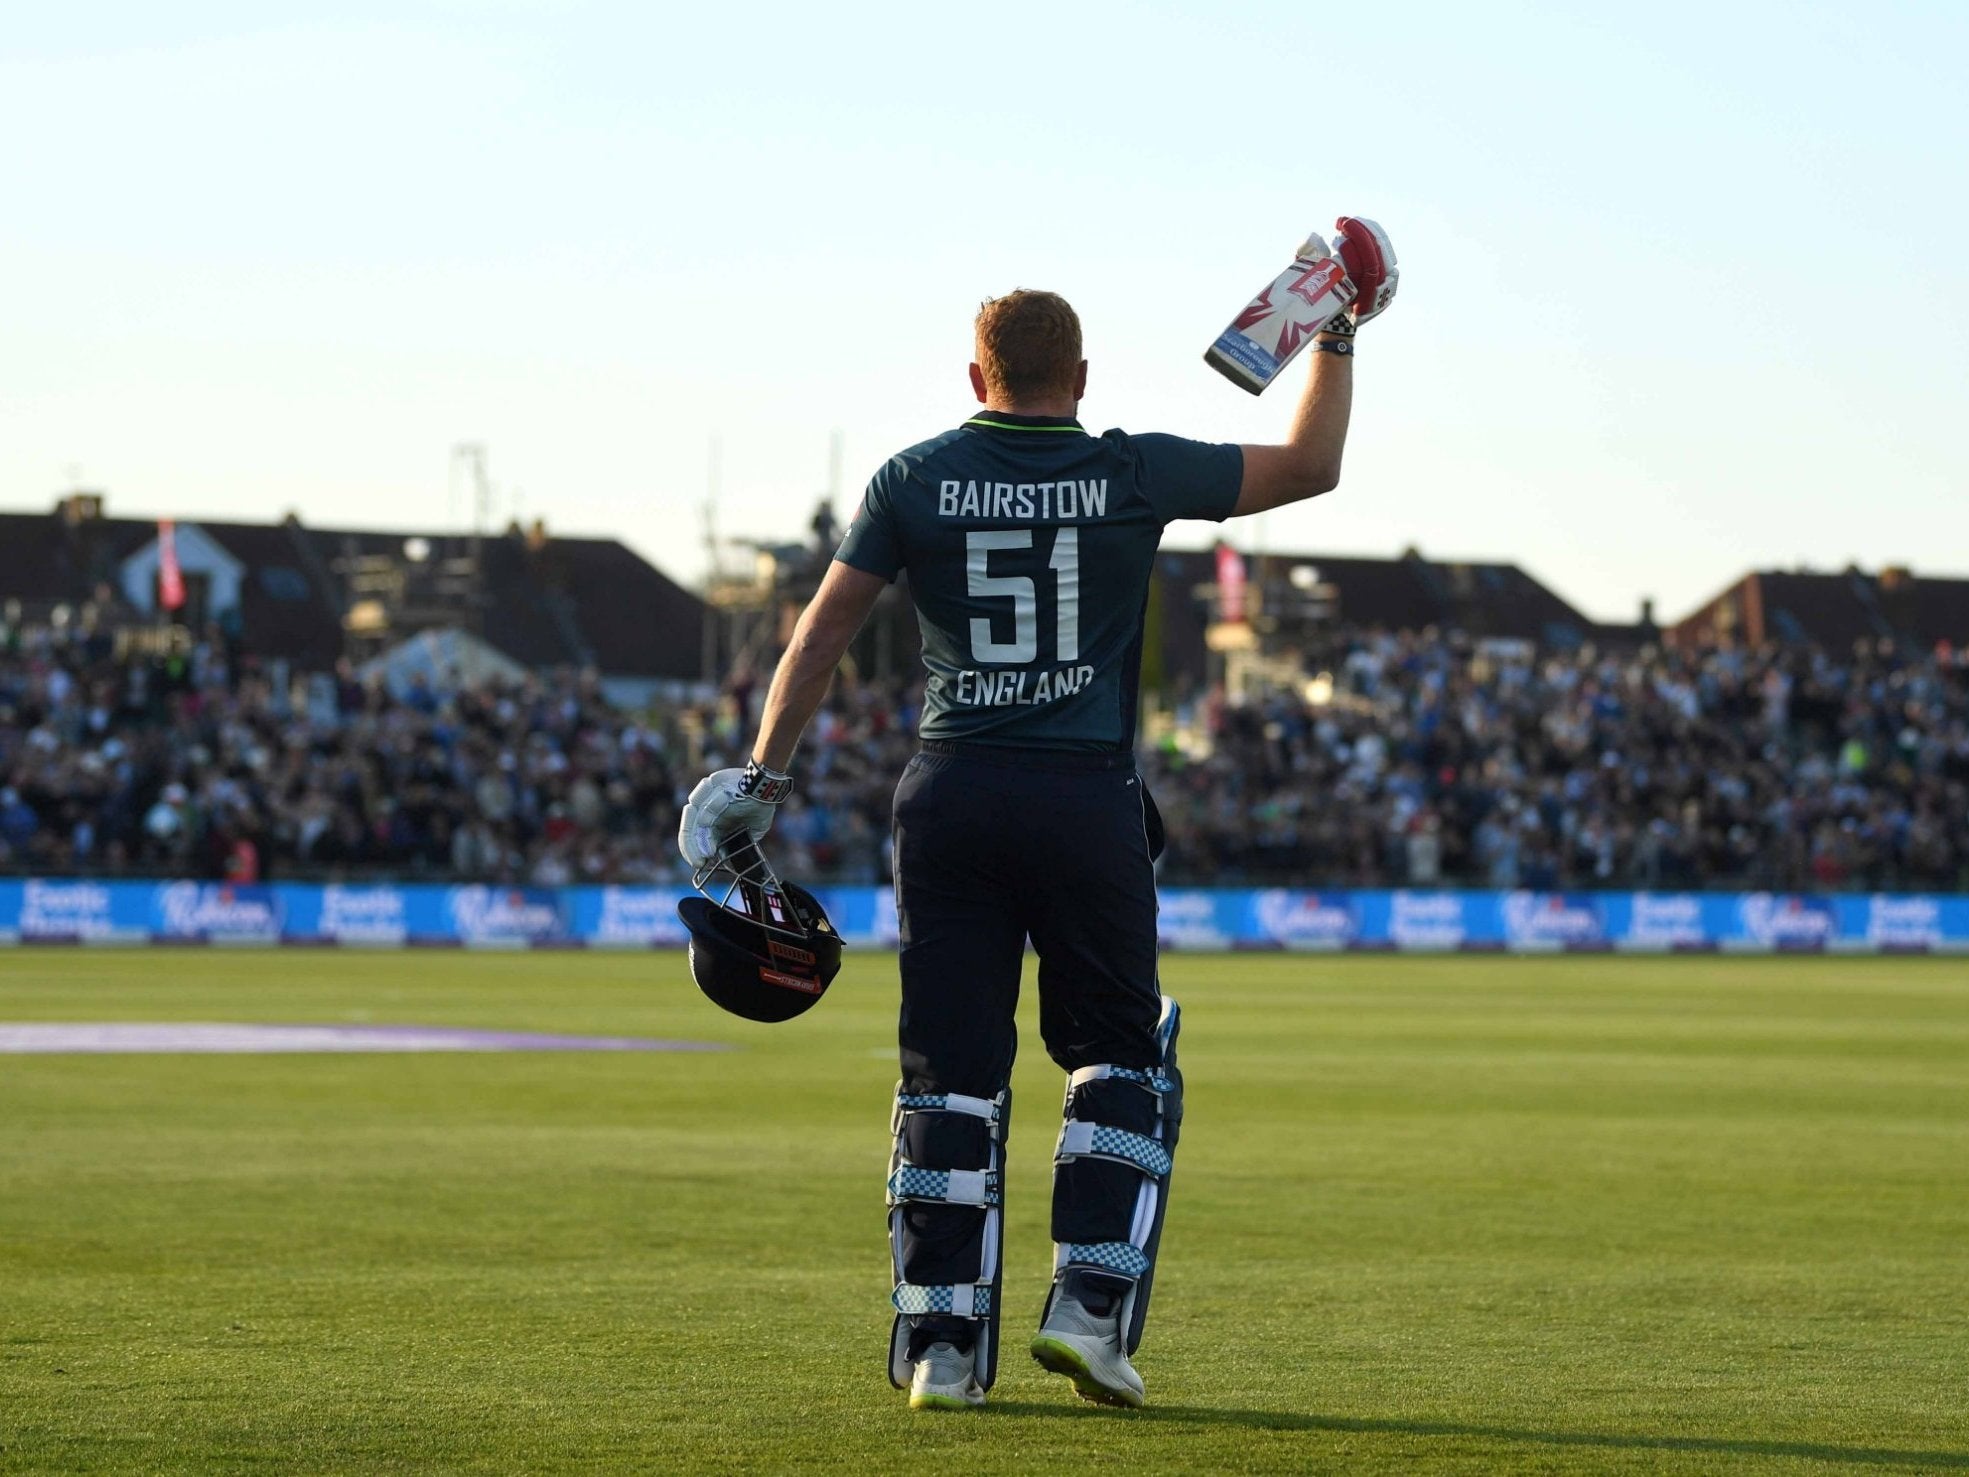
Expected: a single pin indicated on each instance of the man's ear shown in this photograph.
(978, 384)
(1080, 383)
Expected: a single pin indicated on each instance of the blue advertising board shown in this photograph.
(488, 916)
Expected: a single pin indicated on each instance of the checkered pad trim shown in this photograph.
(1109, 1256)
(968, 1187)
(1078, 1138)
(965, 1300)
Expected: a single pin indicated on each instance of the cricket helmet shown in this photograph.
(761, 947)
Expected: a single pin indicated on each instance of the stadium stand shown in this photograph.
(1406, 721)
(1409, 593)
(1409, 759)
(1832, 611)
(309, 596)
(1439, 760)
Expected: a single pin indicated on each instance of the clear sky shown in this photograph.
(1684, 286)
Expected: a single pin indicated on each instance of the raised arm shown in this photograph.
(1308, 463)
(742, 800)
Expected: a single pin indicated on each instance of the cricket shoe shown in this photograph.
(1085, 1345)
(946, 1378)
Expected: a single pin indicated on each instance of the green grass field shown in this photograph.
(1559, 1215)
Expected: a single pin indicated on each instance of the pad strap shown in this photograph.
(964, 1300)
(947, 1102)
(950, 1186)
(1121, 1257)
(1079, 1138)
(1154, 1079)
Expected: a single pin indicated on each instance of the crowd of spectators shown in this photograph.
(196, 763)
(1430, 760)
(1400, 760)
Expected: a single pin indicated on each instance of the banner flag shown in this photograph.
(1230, 585)
(170, 578)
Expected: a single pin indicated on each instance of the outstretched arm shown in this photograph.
(1308, 463)
(742, 800)
(820, 640)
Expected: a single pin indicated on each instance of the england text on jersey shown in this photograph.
(1014, 688)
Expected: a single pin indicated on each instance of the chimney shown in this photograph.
(1898, 601)
(536, 536)
(81, 507)
(1648, 611)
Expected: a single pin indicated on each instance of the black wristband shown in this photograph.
(761, 783)
(1344, 347)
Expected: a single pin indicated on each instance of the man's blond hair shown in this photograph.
(1028, 345)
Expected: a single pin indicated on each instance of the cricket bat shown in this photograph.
(1282, 319)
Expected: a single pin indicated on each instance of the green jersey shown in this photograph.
(1028, 545)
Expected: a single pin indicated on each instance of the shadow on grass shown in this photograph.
(1283, 1420)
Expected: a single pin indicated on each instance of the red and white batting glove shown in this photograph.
(1364, 250)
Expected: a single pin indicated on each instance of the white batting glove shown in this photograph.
(1364, 250)
(726, 805)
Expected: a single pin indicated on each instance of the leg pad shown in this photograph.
(945, 1193)
(1112, 1167)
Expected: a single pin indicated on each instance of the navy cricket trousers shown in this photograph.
(992, 848)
